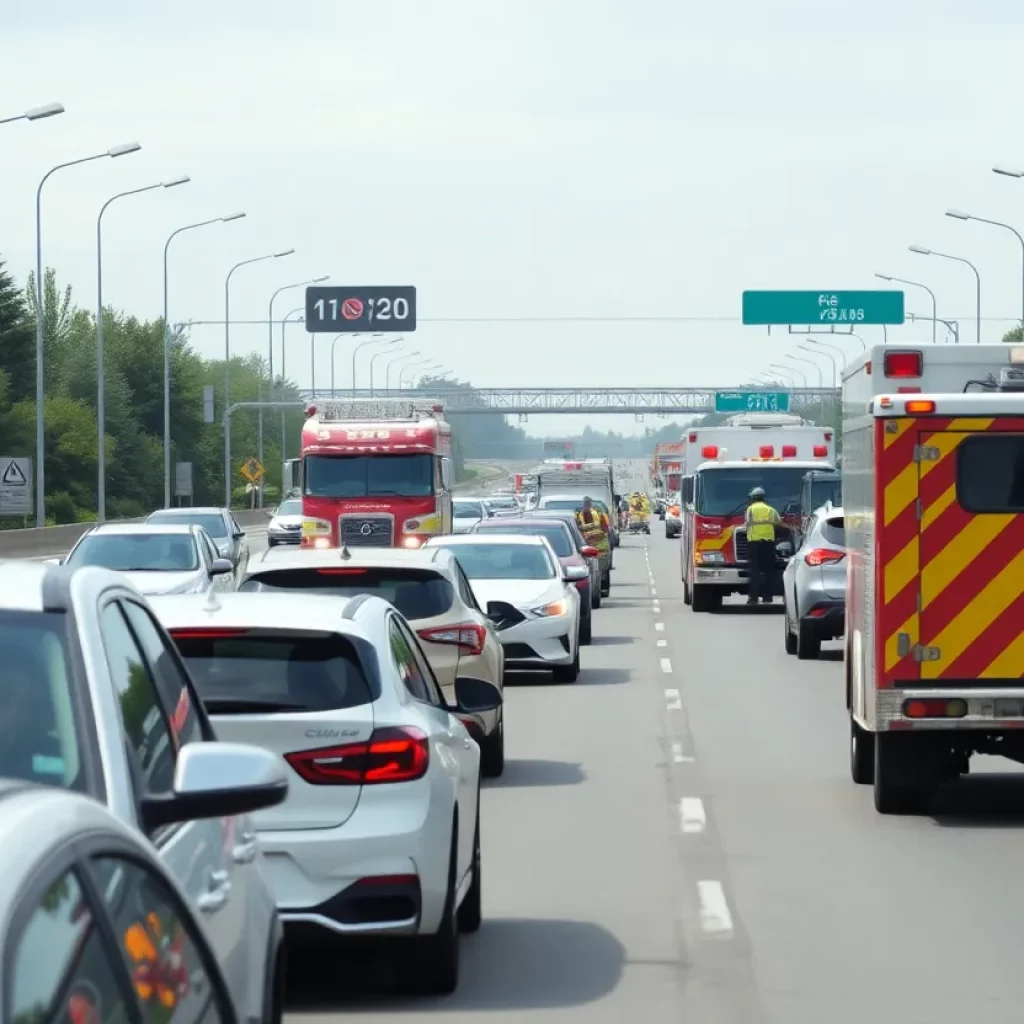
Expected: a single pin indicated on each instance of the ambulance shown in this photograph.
(933, 499)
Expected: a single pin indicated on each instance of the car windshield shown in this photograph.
(212, 523)
(239, 671)
(468, 510)
(39, 725)
(292, 507)
(369, 476)
(556, 534)
(823, 490)
(137, 552)
(723, 492)
(503, 502)
(500, 561)
(416, 593)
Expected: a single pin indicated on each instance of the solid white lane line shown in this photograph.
(678, 756)
(666, 666)
(660, 627)
(691, 814)
(715, 918)
(673, 700)
(661, 643)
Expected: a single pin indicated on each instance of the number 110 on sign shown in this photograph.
(357, 309)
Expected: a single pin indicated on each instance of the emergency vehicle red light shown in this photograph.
(919, 406)
(709, 451)
(908, 391)
(693, 439)
(767, 451)
(935, 707)
(903, 364)
(789, 451)
(828, 435)
(310, 410)
(820, 451)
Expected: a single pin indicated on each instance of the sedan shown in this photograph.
(380, 834)
(285, 523)
(556, 532)
(590, 554)
(534, 608)
(228, 537)
(814, 585)
(466, 513)
(160, 559)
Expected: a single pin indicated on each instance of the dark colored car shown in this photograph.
(591, 554)
(559, 536)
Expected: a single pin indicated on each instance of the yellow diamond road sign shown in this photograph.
(253, 470)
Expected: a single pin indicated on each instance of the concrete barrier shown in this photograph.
(55, 541)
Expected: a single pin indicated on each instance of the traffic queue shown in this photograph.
(298, 734)
(908, 550)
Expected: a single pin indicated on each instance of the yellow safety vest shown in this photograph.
(761, 520)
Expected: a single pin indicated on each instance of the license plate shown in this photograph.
(1009, 708)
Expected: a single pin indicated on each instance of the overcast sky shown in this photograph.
(510, 158)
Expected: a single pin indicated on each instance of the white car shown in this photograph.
(157, 559)
(466, 513)
(285, 525)
(522, 585)
(379, 834)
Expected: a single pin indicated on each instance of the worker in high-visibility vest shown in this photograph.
(594, 526)
(761, 520)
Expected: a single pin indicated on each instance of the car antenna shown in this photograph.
(344, 554)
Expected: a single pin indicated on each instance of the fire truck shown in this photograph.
(668, 466)
(933, 502)
(721, 465)
(375, 473)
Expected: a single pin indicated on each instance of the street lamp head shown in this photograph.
(920, 250)
(317, 280)
(286, 252)
(124, 149)
(232, 216)
(883, 277)
(47, 110)
(958, 215)
(183, 179)
(1008, 172)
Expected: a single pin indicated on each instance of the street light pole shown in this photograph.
(413, 366)
(334, 342)
(284, 370)
(921, 251)
(791, 371)
(377, 355)
(167, 347)
(392, 362)
(376, 339)
(834, 348)
(35, 113)
(123, 150)
(917, 284)
(227, 360)
(821, 382)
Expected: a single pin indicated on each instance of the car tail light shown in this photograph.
(766, 451)
(789, 451)
(468, 635)
(709, 451)
(399, 754)
(205, 633)
(590, 552)
(820, 451)
(903, 364)
(824, 556)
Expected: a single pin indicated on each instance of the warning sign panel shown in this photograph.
(15, 486)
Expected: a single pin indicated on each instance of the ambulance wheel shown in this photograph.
(705, 598)
(862, 754)
(906, 772)
(687, 595)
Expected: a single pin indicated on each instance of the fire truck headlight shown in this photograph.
(412, 542)
(712, 556)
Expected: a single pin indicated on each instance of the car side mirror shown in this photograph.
(53, 561)
(474, 696)
(218, 780)
(784, 549)
(590, 552)
(575, 573)
(270, 512)
(221, 567)
(239, 535)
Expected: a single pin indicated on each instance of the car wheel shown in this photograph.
(567, 673)
(587, 631)
(787, 629)
(434, 959)
(606, 584)
(492, 752)
(595, 596)
(271, 543)
(808, 643)
(471, 913)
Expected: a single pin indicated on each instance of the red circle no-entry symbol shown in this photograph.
(352, 309)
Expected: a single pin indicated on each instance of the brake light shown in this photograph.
(341, 572)
(399, 754)
(919, 406)
(766, 451)
(693, 438)
(709, 451)
(789, 451)
(828, 435)
(903, 364)
(468, 635)
(820, 451)
(204, 633)
(824, 556)
(908, 391)
(935, 707)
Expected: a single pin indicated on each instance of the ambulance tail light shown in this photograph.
(828, 435)
(693, 438)
(919, 407)
(789, 451)
(903, 364)
(709, 451)
(821, 451)
(766, 451)
(935, 707)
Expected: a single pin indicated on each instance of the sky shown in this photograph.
(523, 158)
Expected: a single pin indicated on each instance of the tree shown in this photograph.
(17, 340)
(1014, 335)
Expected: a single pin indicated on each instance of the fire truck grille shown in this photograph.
(740, 541)
(366, 531)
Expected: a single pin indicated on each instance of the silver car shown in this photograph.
(814, 585)
(466, 513)
(285, 523)
(220, 523)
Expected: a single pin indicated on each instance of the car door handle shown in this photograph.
(217, 894)
(245, 851)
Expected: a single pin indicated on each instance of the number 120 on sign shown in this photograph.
(355, 309)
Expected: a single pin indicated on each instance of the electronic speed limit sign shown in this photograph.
(332, 309)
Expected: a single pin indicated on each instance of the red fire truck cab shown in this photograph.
(376, 473)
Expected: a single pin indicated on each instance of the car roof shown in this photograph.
(491, 524)
(152, 529)
(185, 510)
(526, 539)
(32, 586)
(322, 558)
(21, 584)
(804, 464)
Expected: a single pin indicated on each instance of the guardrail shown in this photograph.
(54, 541)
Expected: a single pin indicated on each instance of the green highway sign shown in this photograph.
(808, 308)
(751, 401)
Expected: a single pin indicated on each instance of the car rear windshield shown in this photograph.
(40, 737)
(499, 561)
(832, 530)
(557, 535)
(212, 523)
(416, 593)
(137, 552)
(468, 510)
(266, 671)
(990, 473)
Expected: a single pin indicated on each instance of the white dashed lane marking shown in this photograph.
(673, 700)
(661, 643)
(715, 918)
(678, 756)
(691, 814)
(660, 627)
(666, 666)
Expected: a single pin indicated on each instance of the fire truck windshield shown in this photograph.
(723, 492)
(369, 476)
